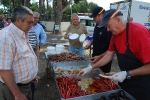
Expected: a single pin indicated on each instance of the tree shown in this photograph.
(25, 3)
(59, 7)
(83, 6)
(42, 8)
(79, 8)
(10, 4)
(91, 6)
(34, 7)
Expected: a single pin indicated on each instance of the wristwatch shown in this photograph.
(128, 75)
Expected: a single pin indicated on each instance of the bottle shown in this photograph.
(89, 38)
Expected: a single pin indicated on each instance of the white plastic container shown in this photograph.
(59, 48)
(51, 50)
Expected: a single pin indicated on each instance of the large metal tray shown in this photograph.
(76, 65)
(46, 56)
(86, 97)
(99, 95)
(93, 96)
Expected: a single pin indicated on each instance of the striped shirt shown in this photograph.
(32, 38)
(16, 54)
(40, 33)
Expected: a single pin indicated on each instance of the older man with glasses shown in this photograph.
(18, 62)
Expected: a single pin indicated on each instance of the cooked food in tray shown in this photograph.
(72, 87)
(70, 70)
(60, 71)
(65, 56)
(107, 74)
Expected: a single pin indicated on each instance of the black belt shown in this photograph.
(20, 84)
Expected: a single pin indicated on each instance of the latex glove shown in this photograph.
(119, 77)
(85, 70)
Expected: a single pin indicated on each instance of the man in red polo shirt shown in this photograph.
(131, 43)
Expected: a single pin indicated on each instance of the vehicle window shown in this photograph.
(83, 21)
(88, 22)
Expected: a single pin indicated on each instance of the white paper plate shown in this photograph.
(73, 36)
(82, 37)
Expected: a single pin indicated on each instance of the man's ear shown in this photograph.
(18, 19)
(118, 19)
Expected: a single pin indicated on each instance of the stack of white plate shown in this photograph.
(73, 36)
(82, 38)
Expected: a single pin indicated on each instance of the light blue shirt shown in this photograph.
(40, 33)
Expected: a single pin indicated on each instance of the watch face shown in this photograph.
(128, 77)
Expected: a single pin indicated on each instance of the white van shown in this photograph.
(89, 23)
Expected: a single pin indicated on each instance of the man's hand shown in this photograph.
(35, 80)
(20, 96)
(65, 37)
(87, 46)
(118, 77)
(85, 71)
(95, 59)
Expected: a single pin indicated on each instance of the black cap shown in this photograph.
(96, 11)
(108, 15)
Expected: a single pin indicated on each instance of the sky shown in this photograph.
(106, 3)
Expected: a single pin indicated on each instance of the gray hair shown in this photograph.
(122, 19)
(74, 14)
(20, 11)
(36, 13)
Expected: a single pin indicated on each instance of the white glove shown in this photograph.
(85, 70)
(119, 77)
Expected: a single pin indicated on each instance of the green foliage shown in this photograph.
(77, 1)
(5, 2)
(92, 6)
(81, 7)
(34, 7)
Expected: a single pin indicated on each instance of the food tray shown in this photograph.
(86, 97)
(75, 65)
(46, 56)
(99, 95)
